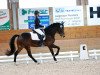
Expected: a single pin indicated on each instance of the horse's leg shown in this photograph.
(30, 54)
(16, 53)
(51, 50)
(58, 48)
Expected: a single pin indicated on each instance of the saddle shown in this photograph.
(36, 36)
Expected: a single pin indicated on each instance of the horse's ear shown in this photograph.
(62, 22)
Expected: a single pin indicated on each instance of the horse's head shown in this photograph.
(55, 28)
(60, 29)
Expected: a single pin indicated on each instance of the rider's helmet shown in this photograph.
(36, 12)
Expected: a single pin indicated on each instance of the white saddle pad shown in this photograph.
(34, 36)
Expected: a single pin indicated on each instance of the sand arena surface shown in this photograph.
(87, 67)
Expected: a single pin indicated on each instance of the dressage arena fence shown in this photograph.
(71, 55)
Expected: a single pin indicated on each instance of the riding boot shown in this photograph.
(41, 39)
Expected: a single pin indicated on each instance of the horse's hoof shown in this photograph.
(15, 64)
(56, 61)
(38, 63)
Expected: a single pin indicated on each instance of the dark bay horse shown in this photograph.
(25, 41)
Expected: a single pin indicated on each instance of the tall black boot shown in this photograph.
(41, 39)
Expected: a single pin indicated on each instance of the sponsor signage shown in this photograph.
(93, 15)
(4, 19)
(72, 16)
(26, 17)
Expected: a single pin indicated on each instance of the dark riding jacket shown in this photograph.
(37, 22)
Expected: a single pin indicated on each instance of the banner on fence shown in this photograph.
(72, 16)
(26, 17)
(4, 19)
(93, 15)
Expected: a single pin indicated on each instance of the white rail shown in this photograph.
(94, 53)
(40, 56)
(45, 56)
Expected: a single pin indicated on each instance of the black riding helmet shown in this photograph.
(36, 12)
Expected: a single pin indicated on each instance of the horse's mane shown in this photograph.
(51, 27)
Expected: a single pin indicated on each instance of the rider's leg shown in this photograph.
(41, 39)
(39, 31)
(41, 36)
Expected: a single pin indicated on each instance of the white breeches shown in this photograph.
(39, 31)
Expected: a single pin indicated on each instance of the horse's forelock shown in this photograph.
(56, 24)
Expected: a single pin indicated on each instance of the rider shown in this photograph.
(38, 27)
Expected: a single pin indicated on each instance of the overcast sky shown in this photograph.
(45, 3)
(3, 4)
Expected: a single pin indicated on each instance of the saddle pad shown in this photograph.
(34, 36)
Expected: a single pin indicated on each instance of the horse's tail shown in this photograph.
(12, 45)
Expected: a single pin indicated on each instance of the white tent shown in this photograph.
(94, 2)
(45, 3)
(3, 4)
